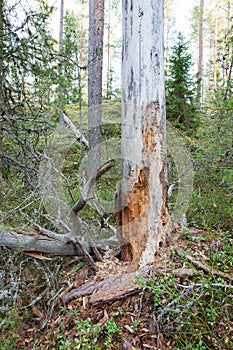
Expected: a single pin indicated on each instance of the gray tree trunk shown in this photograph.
(1, 102)
(61, 26)
(95, 64)
(143, 220)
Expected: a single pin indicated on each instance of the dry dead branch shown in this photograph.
(202, 266)
(116, 287)
(39, 239)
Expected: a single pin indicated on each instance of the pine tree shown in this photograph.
(181, 87)
(95, 69)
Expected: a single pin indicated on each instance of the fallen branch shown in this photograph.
(42, 240)
(117, 287)
(39, 240)
(75, 130)
(87, 255)
(111, 289)
(85, 194)
(204, 267)
(95, 250)
(87, 187)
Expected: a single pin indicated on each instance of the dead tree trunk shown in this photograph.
(143, 219)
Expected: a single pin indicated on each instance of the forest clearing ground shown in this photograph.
(187, 310)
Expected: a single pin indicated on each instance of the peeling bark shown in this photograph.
(117, 287)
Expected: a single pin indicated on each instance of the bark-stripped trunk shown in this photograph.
(95, 65)
(143, 220)
(200, 52)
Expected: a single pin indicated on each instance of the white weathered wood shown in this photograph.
(48, 242)
(42, 240)
(75, 130)
(144, 220)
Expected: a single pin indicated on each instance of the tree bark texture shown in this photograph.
(200, 51)
(143, 220)
(40, 240)
(61, 26)
(60, 60)
(95, 64)
(1, 102)
(116, 287)
(216, 9)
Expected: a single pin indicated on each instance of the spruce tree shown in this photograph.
(27, 76)
(181, 88)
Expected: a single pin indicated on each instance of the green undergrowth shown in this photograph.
(190, 310)
(209, 147)
(87, 335)
(196, 314)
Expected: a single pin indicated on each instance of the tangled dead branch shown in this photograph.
(39, 239)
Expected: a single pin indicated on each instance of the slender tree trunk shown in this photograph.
(229, 80)
(229, 50)
(60, 60)
(1, 102)
(169, 23)
(215, 44)
(61, 25)
(1, 167)
(210, 67)
(229, 53)
(95, 66)
(200, 53)
(143, 220)
(82, 35)
(108, 52)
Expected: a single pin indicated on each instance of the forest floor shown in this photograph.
(185, 302)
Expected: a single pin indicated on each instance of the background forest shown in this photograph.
(44, 74)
